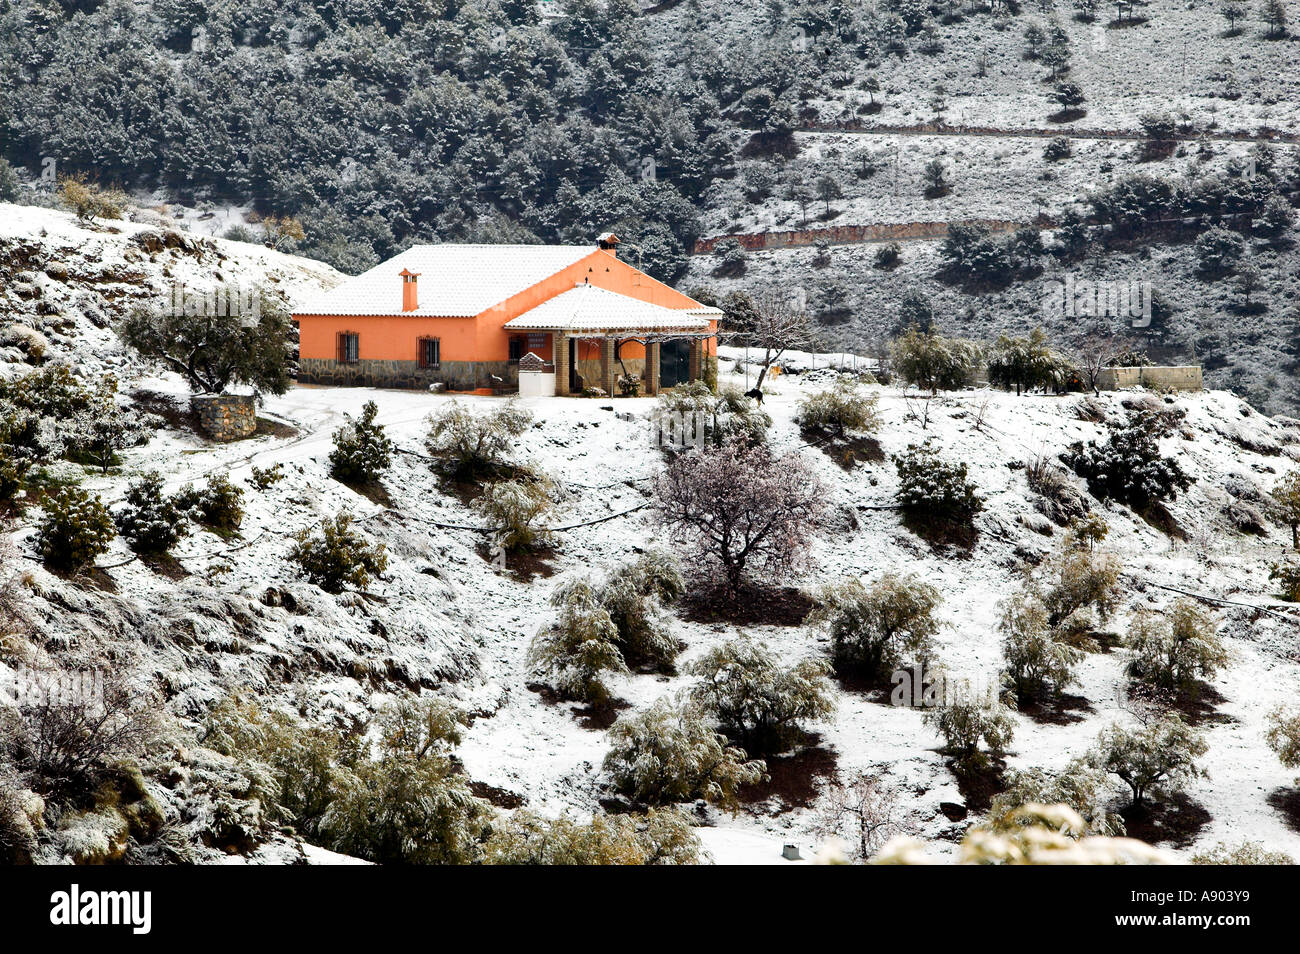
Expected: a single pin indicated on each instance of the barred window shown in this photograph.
(430, 352)
(349, 347)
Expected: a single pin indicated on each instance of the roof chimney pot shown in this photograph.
(410, 298)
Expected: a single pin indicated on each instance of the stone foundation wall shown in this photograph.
(1175, 379)
(226, 417)
(455, 375)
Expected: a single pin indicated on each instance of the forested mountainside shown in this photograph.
(377, 126)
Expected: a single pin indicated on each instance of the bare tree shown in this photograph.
(861, 810)
(778, 323)
(740, 507)
(1094, 355)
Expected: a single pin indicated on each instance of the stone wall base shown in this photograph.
(226, 417)
(454, 375)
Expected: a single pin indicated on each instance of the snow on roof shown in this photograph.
(589, 308)
(455, 280)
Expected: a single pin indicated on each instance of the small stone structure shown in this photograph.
(536, 377)
(226, 417)
(1186, 378)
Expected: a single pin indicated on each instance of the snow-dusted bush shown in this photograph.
(219, 506)
(151, 521)
(75, 529)
(407, 802)
(928, 360)
(1287, 576)
(1174, 650)
(1286, 504)
(579, 646)
(101, 426)
(214, 351)
(1284, 735)
(669, 754)
(476, 445)
(516, 510)
(362, 451)
(741, 508)
(932, 491)
(1244, 853)
(24, 443)
(872, 628)
(965, 725)
(659, 837)
(1036, 662)
(88, 201)
(756, 700)
(843, 408)
(338, 556)
(1129, 466)
(1219, 251)
(723, 416)
(264, 478)
(1027, 363)
(1080, 579)
(633, 595)
(1081, 786)
(1155, 760)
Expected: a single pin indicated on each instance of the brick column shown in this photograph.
(697, 358)
(651, 368)
(560, 358)
(607, 365)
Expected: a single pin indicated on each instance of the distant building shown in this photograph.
(462, 316)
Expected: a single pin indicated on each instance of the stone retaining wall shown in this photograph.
(1187, 378)
(455, 375)
(226, 417)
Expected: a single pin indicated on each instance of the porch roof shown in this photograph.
(589, 308)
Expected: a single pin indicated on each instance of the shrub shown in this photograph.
(702, 416)
(1287, 576)
(932, 491)
(1036, 662)
(338, 556)
(668, 754)
(101, 427)
(1026, 363)
(657, 838)
(151, 522)
(1245, 853)
(842, 408)
(1079, 785)
(964, 726)
(1284, 735)
(1057, 149)
(264, 478)
(888, 255)
(1219, 251)
(1171, 652)
(1154, 760)
(362, 452)
(1286, 504)
(757, 701)
(1079, 579)
(88, 201)
(872, 627)
(409, 804)
(1129, 467)
(927, 360)
(579, 646)
(514, 509)
(75, 530)
(632, 596)
(219, 506)
(476, 445)
(740, 508)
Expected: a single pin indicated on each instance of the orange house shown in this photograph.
(463, 316)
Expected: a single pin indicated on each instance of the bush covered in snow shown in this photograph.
(928, 360)
(933, 492)
(1128, 466)
(1287, 577)
(964, 726)
(338, 556)
(875, 628)
(633, 595)
(1037, 663)
(1284, 735)
(574, 651)
(151, 521)
(472, 445)
(659, 837)
(1174, 650)
(669, 753)
(758, 701)
(1245, 853)
(219, 506)
(843, 408)
(1028, 363)
(1154, 760)
(1286, 504)
(1079, 785)
(76, 529)
(710, 417)
(362, 451)
(515, 510)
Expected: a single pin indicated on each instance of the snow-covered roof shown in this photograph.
(454, 280)
(589, 308)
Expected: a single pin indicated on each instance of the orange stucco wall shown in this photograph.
(483, 338)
